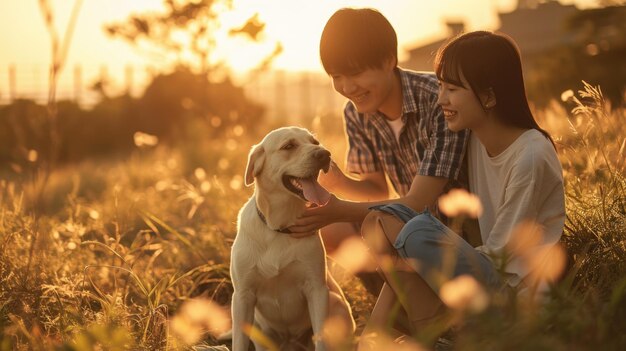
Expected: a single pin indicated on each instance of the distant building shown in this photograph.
(534, 25)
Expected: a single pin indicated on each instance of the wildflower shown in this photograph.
(32, 155)
(93, 214)
(383, 342)
(231, 144)
(458, 201)
(223, 163)
(205, 187)
(171, 163)
(567, 95)
(143, 139)
(238, 130)
(236, 182)
(216, 121)
(162, 185)
(335, 331)
(352, 255)
(545, 262)
(464, 293)
(200, 173)
(525, 237)
(199, 315)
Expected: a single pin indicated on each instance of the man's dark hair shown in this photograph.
(357, 39)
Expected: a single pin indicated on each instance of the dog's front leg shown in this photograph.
(243, 314)
(317, 300)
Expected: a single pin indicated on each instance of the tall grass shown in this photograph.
(125, 243)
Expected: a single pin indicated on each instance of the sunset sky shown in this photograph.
(296, 24)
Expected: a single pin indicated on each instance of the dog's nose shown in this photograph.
(322, 155)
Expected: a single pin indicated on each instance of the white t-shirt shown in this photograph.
(396, 126)
(525, 181)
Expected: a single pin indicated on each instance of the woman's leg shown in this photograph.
(379, 320)
(419, 301)
(438, 254)
(419, 256)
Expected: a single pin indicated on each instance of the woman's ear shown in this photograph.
(488, 99)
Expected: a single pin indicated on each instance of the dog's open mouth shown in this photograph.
(307, 188)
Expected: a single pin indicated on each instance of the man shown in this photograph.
(394, 126)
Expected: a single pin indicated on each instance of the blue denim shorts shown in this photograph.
(437, 253)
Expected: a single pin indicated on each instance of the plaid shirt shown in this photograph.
(426, 146)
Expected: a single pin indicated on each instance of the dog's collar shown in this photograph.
(283, 230)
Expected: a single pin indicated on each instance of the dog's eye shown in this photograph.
(315, 142)
(288, 146)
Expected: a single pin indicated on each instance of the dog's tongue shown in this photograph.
(314, 192)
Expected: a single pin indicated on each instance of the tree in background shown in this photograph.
(597, 57)
(187, 31)
(196, 99)
(199, 85)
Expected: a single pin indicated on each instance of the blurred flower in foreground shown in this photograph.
(236, 182)
(524, 237)
(545, 262)
(197, 316)
(336, 333)
(144, 139)
(32, 155)
(383, 342)
(567, 95)
(459, 201)
(464, 293)
(352, 255)
(258, 337)
(200, 173)
(93, 214)
(223, 164)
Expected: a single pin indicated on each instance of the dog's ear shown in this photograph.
(255, 164)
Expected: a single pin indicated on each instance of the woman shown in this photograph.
(513, 169)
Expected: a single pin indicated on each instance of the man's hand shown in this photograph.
(317, 217)
(331, 179)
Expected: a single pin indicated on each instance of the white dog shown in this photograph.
(281, 284)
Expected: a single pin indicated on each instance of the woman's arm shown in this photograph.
(424, 192)
(367, 187)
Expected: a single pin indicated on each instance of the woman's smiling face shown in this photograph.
(461, 107)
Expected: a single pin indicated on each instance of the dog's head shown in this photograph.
(287, 162)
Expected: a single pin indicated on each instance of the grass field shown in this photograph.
(106, 254)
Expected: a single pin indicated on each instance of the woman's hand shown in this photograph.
(317, 217)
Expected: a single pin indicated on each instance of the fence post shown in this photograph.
(279, 95)
(128, 76)
(78, 83)
(12, 82)
(305, 97)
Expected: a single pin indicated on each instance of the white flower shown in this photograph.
(464, 293)
(459, 201)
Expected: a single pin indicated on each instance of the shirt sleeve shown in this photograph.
(362, 157)
(444, 154)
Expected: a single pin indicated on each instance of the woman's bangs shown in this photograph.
(448, 67)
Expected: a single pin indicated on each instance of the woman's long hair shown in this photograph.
(489, 61)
